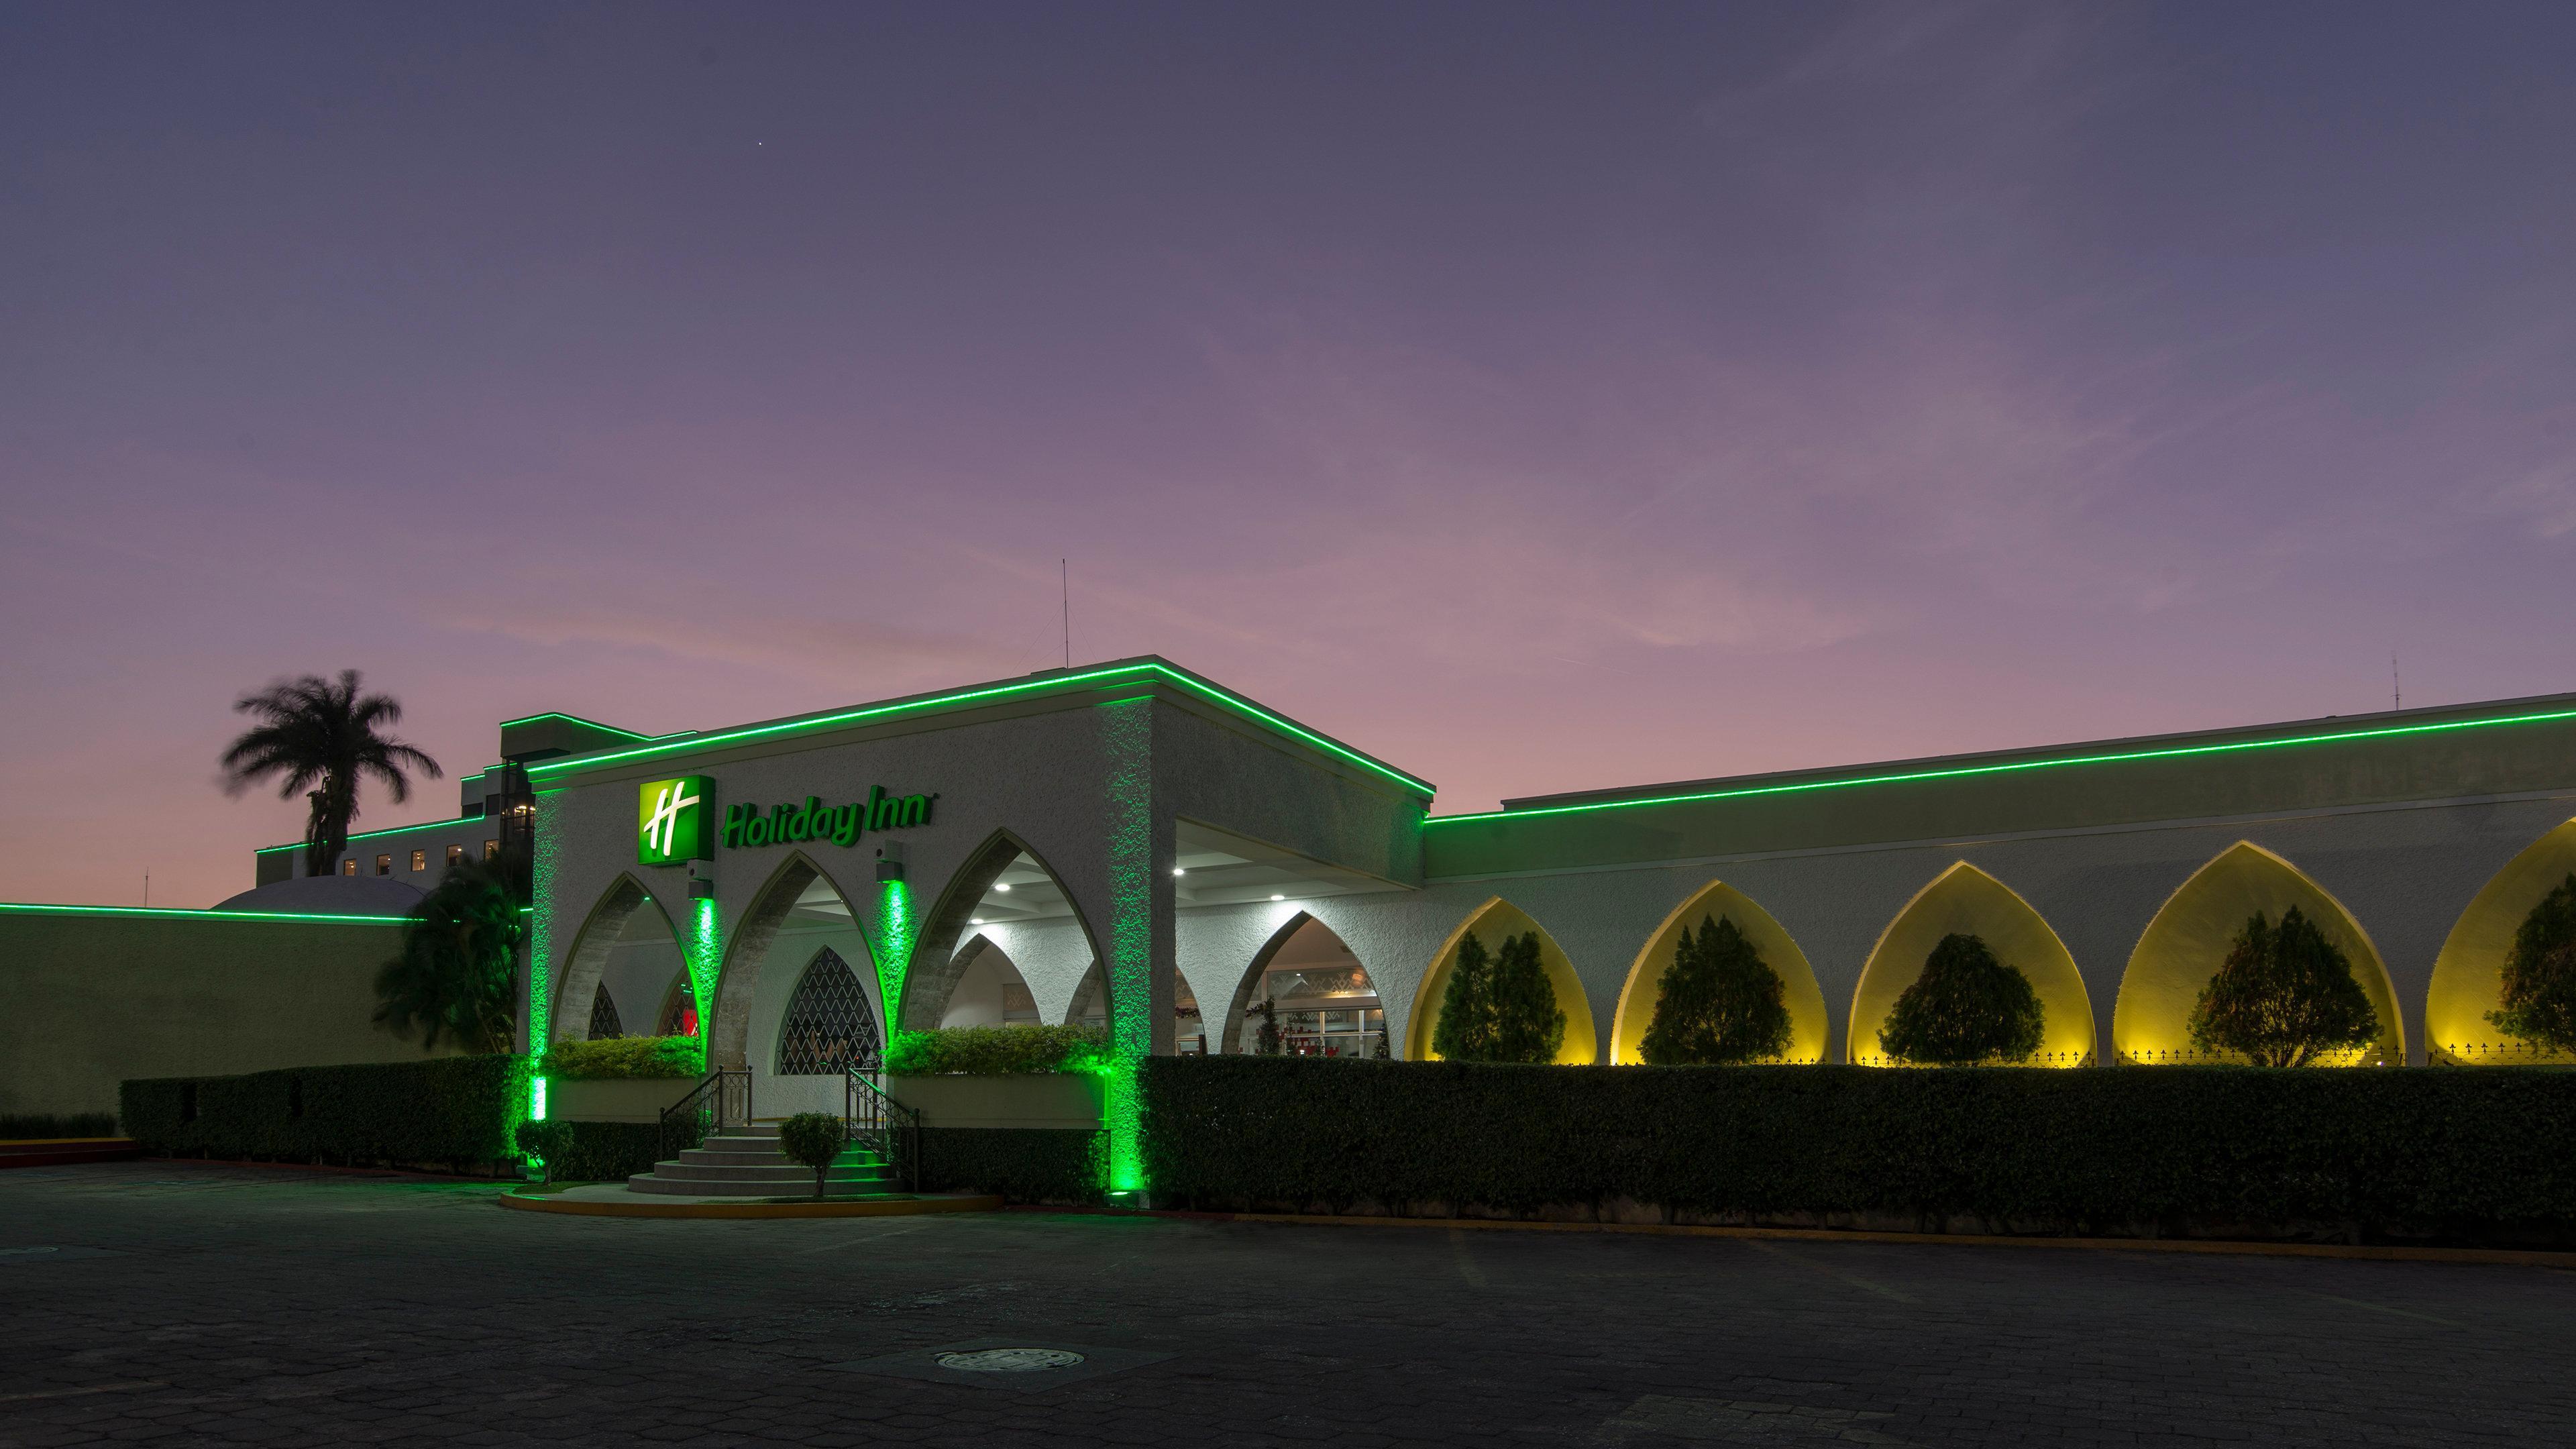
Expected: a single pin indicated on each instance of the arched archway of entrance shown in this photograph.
(1006, 892)
(1325, 1001)
(1189, 1029)
(989, 990)
(799, 911)
(624, 944)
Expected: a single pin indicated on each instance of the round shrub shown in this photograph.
(1966, 1007)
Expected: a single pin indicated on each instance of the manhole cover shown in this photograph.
(1009, 1360)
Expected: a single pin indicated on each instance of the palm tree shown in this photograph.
(458, 974)
(320, 732)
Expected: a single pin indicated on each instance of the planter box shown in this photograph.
(1056, 1099)
(618, 1099)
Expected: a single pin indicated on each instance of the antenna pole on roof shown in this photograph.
(2396, 695)
(1064, 587)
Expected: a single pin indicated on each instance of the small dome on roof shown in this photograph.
(329, 895)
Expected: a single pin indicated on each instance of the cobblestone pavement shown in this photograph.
(195, 1304)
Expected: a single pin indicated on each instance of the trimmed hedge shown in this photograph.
(456, 1111)
(47, 1124)
(1023, 1164)
(613, 1058)
(2464, 1155)
(995, 1051)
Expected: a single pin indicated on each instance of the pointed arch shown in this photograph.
(2190, 935)
(738, 979)
(1492, 921)
(2468, 975)
(982, 956)
(1089, 1002)
(937, 965)
(1808, 1026)
(1965, 900)
(828, 1026)
(600, 932)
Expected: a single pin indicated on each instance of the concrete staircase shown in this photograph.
(745, 1162)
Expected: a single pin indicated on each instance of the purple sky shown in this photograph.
(1540, 399)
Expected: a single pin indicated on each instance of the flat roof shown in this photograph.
(2330, 729)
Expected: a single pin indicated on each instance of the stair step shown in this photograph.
(686, 1187)
(691, 1173)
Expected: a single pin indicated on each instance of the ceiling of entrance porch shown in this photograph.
(1212, 868)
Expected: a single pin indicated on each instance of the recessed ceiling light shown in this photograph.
(976, 921)
(1003, 886)
(1279, 898)
(1176, 870)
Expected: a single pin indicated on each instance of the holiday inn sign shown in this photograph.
(672, 817)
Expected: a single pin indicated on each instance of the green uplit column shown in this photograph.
(541, 962)
(705, 951)
(896, 931)
(1139, 931)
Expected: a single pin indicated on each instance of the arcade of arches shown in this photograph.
(1326, 1001)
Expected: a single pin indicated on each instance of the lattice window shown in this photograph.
(603, 1015)
(829, 1027)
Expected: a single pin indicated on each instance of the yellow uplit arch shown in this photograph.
(1806, 1000)
(1492, 921)
(1966, 900)
(2183, 946)
(2468, 977)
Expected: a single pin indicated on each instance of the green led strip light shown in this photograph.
(577, 719)
(379, 834)
(10, 906)
(2007, 767)
(997, 691)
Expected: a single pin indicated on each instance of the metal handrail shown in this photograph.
(882, 1123)
(722, 1100)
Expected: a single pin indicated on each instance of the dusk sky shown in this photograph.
(1538, 398)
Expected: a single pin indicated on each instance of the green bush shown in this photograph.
(1966, 1007)
(2225, 1151)
(47, 1124)
(994, 1051)
(814, 1139)
(545, 1143)
(610, 1058)
(2540, 973)
(2283, 997)
(1023, 1164)
(614, 1151)
(1719, 1004)
(457, 1111)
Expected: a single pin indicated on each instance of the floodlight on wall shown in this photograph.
(890, 862)
(702, 880)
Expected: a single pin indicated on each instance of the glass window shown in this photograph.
(455, 856)
(491, 850)
(384, 865)
(420, 860)
(349, 866)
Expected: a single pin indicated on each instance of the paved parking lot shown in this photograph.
(195, 1304)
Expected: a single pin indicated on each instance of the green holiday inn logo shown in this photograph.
(671, 820)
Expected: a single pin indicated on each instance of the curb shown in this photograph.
(535, 1202)
(2513, 1257)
